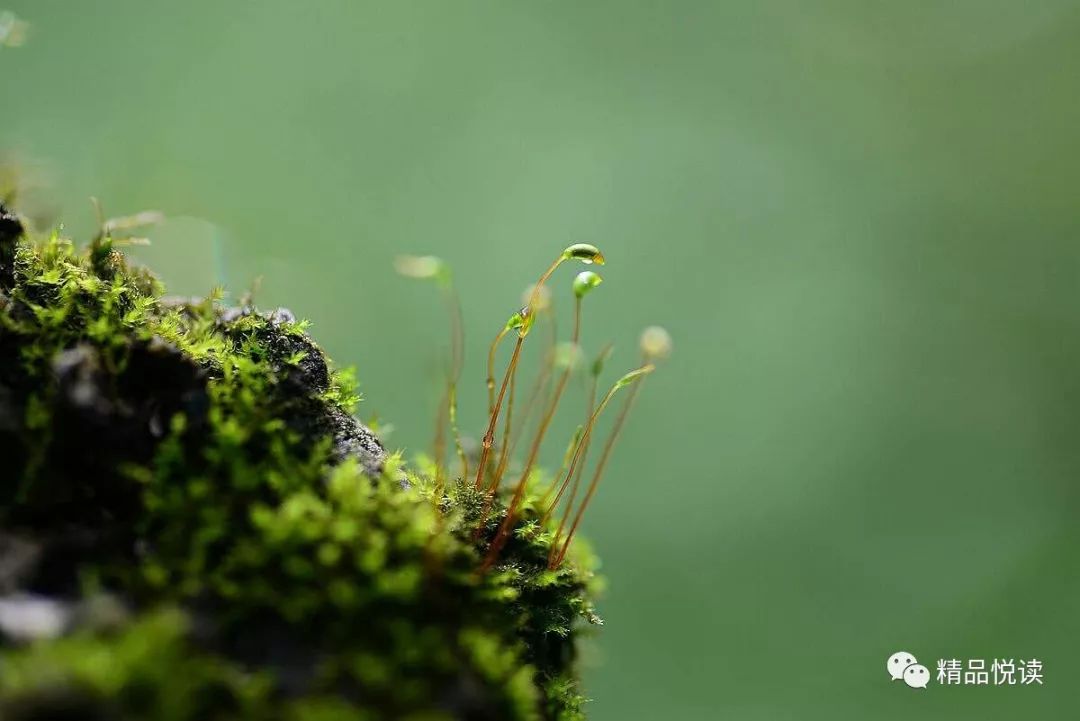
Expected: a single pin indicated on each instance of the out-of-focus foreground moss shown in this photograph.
(193, 525)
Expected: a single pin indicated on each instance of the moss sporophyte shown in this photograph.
(489, 475)
(189, 501)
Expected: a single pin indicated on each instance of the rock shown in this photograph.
(10, 230)
(180, 459)
(300, 384)
(103, 418)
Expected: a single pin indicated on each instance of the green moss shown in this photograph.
(202, 465)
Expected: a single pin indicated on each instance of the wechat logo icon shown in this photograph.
(903, 666)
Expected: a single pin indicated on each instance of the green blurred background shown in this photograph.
(859, 221)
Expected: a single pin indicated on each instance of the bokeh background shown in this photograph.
(859, 221)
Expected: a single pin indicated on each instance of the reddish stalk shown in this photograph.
(519, 491)
(527, 317)
(584, 444)
(571, 448)
(504, 451)
(554, 561)
(491, 367)
(577, 473)
(541, 382)
(489, 435)
(543, 376)
(583, 252)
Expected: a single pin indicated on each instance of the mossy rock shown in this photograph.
(194, 525)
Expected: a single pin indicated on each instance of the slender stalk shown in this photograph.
(553, 562)
(582, 445)
(587, 254)
(577, 474)
(433, 269)
(543, 376)
(549, 414)
(523, 330)
(504, 451)
(504, 458)
(491, 380)
(491, 367)
(448, 402)
(531, 402)
(457, 433)
(489, 435)
(571, 448)
(527, 315)
(457, 360)
(508, 452)
(519, 491)
(439, 442)
(538, 288)
(595, 371)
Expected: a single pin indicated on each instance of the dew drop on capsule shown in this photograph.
(584, 252)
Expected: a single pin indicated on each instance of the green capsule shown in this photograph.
(585, 281)
(574, 441)
(584, 252)
(601, 359)
(423, 267)
(634, 375)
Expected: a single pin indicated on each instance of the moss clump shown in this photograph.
(200, 469)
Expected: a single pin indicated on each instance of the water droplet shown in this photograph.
(585, 253)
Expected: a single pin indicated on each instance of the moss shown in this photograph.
(202, 467)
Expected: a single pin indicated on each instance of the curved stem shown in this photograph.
(581, 448)
(571, 448)
(549, 414)
(504, 451)
(521, 334)
(491, 368)
(457, 359)
(543, 376)
(457, 433)
(543, 279)
(448, 402)
(511, 369)
(439, 442)
(519, 491)
(489, 436)
(595, 481)
(577, 473)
